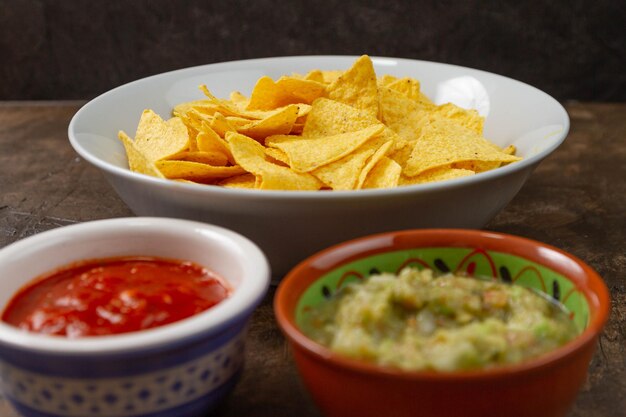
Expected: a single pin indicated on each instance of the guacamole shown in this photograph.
(418, 321)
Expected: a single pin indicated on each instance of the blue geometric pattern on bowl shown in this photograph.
(173, 391)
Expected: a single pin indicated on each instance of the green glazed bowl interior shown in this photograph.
(480, 263)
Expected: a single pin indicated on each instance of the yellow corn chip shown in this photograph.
(157, 139)
(357, 87)
(201, 106)
(331, 76)
(443, 142)
(329, 117)
(209, 141)
(251, 156)
(411, 89)
(378, 155)
(385, 80)
(269, 95)
(279, 123)
(385, 174)
(468, 118)
(277, 156)
(220, 125)
(401, 114)
(137, 162)
(315, 75)
(510, 150)
(401, 151)
(477, 166)
(344, 173)
(237, 98)
(193, 119)
(195, 171)
(239, 181)
(304, 90)
(436, 174)
(211, 158)
(306, 154)
(303, 110)
(237, 122)
(208, 107)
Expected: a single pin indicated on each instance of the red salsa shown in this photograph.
(112, 296)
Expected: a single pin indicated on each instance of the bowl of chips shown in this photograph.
(299, 153)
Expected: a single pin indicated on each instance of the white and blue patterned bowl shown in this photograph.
(178, 370)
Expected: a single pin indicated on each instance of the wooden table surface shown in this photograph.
(575, 200)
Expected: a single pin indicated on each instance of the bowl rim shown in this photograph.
(199, 189)
(306, 272)
(243, 300)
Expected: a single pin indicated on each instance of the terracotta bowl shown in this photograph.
(545, 386)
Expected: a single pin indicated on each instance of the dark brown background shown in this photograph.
(78, 49)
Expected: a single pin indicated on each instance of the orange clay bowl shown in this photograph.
(545, 386)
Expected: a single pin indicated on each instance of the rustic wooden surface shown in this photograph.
(575, 200)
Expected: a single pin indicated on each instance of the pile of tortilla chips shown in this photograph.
(326, 130)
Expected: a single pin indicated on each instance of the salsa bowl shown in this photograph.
(291, 225)
(180, 369)
(544, 386)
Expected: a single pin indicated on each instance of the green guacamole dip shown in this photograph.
(416, 321)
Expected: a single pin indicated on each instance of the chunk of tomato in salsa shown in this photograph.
(112, 296)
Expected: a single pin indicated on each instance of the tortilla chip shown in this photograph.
(157, 139)
(401, 114)
(303, 89)
(137, 162)
(385, 80)
(269, 95)
(220, 125)
(251, 156)
(279, 123)
(315, 75)
(477, 166)
(385, 174)
(209, 141)
(468, 118)
(239, 181)
(401, 151)
(306, 153)
(206, 107)
(343, 174)
(411, 89)
(444, 142)
(357, 87)
(195, 171)
(277, 156)
(436, 174)
(377, 156)
(329, 117)
(238, 99)
(210, 158)
(510, 150)
(331, 76)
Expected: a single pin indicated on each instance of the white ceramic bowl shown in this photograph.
(180, 369)
(289, 226)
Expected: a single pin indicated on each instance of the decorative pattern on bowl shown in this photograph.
(128, 396)
(467, 261)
